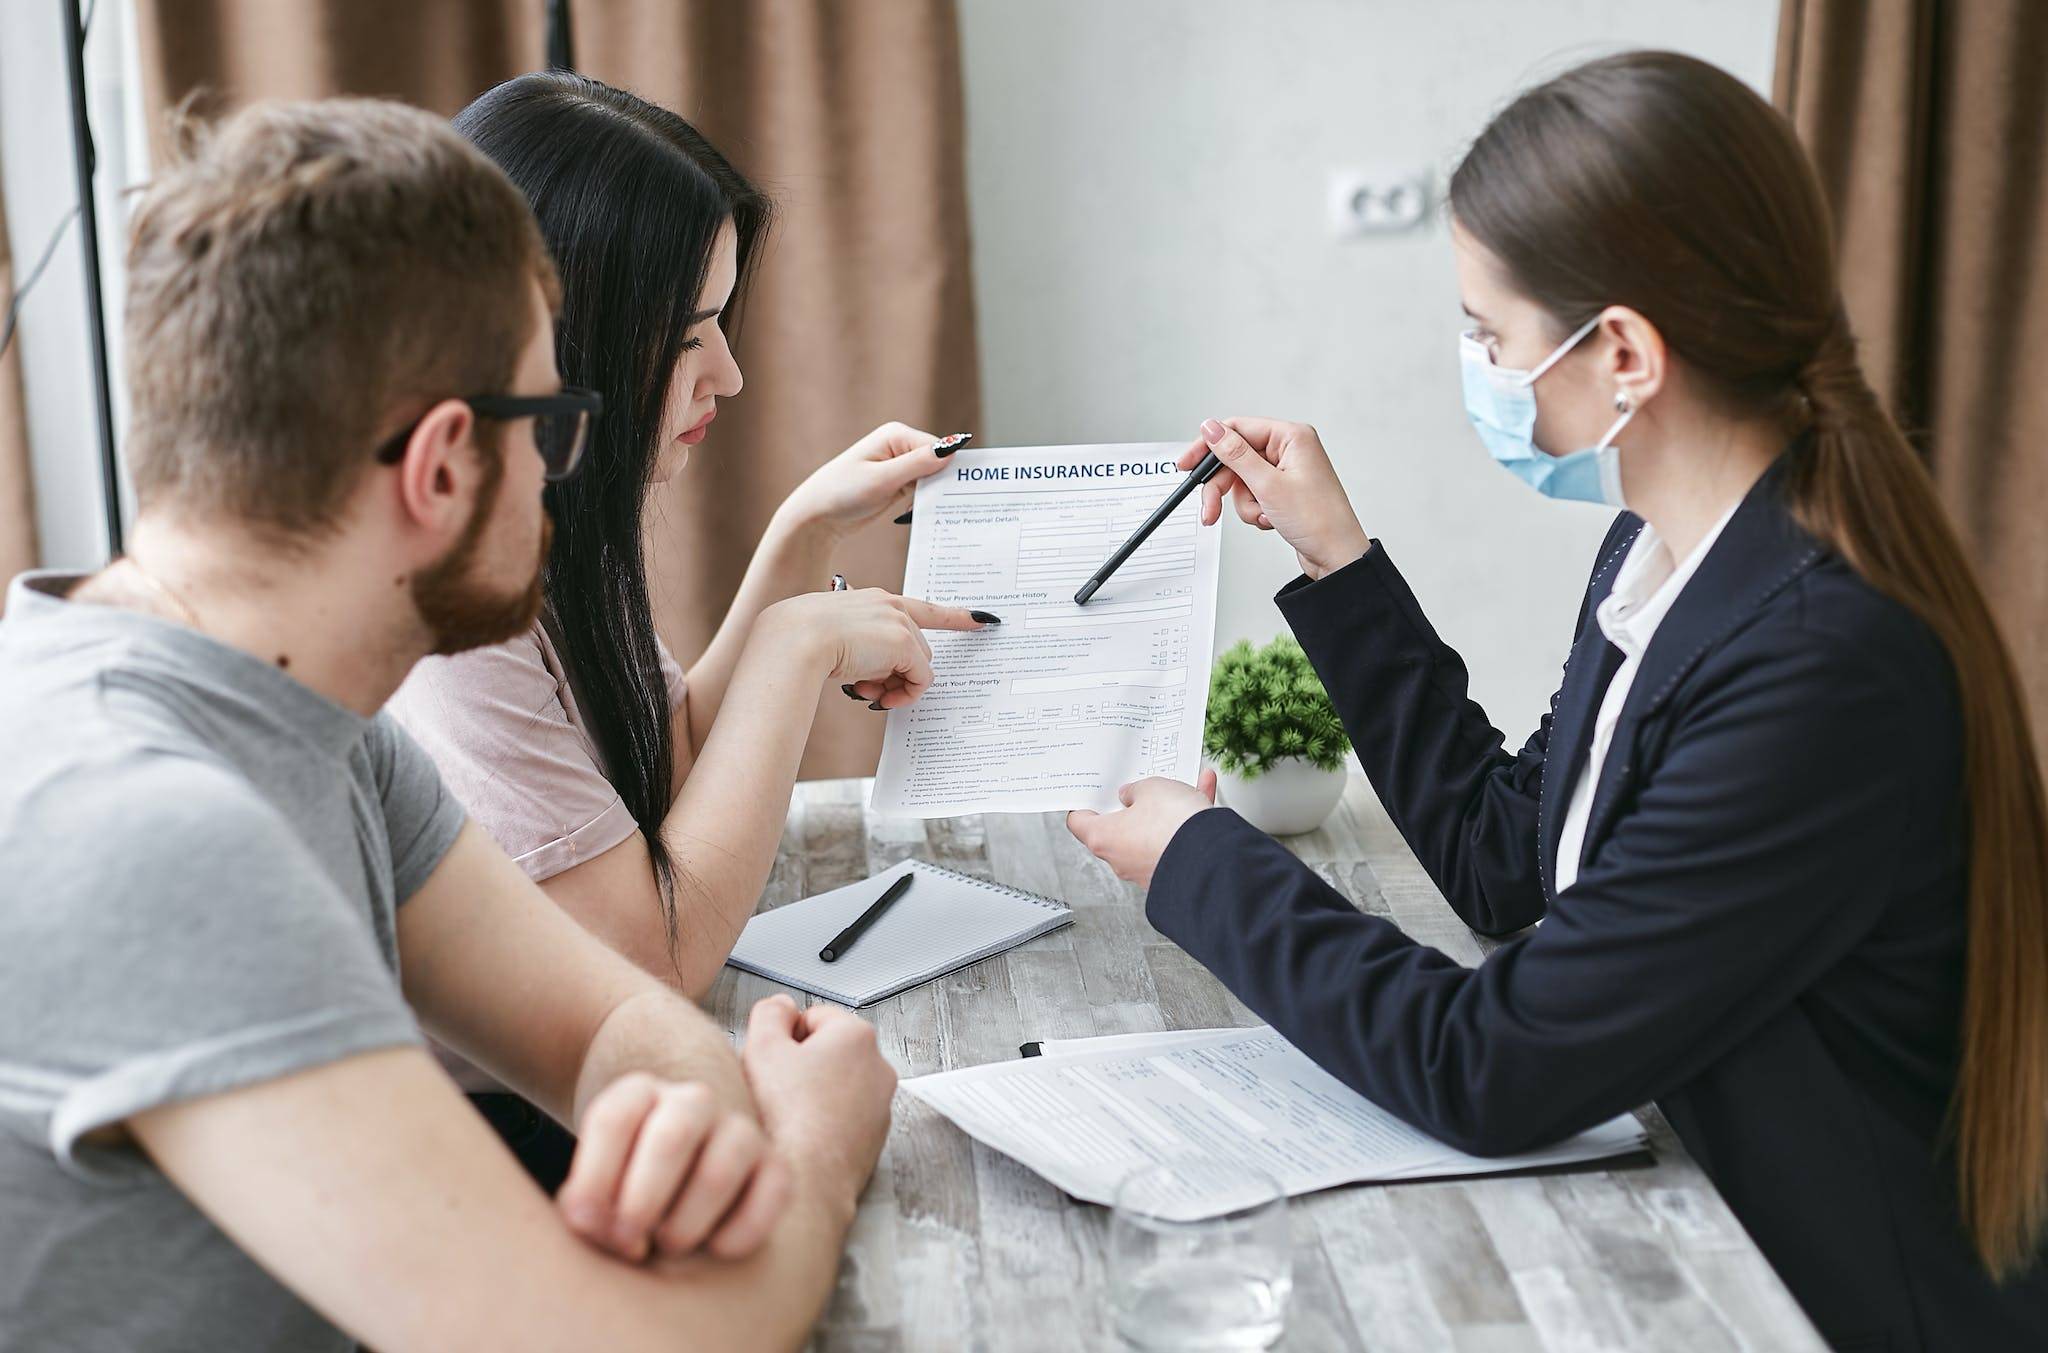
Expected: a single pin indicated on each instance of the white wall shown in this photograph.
(1147, 182)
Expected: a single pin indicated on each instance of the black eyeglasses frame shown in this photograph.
(569, 399)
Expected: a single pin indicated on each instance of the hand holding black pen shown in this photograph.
(1278, 477)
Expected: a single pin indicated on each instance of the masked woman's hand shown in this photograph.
(1279, 478)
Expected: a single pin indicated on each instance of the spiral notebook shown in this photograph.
(946, 920)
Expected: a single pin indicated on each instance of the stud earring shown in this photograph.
(1621, 404)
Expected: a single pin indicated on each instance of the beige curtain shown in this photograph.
(17, 503)
(850, 114)
(439, 54)
(1928, 120)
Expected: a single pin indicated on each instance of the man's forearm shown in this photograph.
(769, 1300)
(659, 1032)
(409, 1191)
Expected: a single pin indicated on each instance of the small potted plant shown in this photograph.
(1273, 737)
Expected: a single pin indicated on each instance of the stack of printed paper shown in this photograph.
(1091, 1111)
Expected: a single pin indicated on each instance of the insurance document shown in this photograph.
(1061, 704)
(1084, 1119)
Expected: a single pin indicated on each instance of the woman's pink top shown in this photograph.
(502, 725)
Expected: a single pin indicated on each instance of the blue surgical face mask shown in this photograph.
(1501, 402)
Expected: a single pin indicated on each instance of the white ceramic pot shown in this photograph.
(1291, 797)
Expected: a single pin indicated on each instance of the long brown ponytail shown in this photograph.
(1656, 181)
(1860, 488)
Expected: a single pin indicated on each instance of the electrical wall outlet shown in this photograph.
(1378, 202)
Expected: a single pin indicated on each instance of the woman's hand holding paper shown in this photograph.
(1131, 840)
(873, 479)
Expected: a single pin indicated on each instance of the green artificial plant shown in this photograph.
(1266, 705)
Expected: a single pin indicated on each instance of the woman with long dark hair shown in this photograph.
(1783, 826)
(646, 800)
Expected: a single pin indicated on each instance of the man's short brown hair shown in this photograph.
(301, 278)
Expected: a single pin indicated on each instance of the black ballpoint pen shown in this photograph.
(843, 941)
(1197, 477)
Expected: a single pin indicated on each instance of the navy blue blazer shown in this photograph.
(1765, 937)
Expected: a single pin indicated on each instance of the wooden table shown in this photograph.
(959, 1247)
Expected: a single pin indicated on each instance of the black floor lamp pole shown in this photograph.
(89, 240)
(561, 45)
(561, 54)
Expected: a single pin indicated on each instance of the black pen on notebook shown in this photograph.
(1200, 475)
(843, 941)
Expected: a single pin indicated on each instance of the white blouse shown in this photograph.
(1644, 590)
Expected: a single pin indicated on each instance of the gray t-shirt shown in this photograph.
(201, 861)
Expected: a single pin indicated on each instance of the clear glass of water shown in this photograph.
(1182, 1280)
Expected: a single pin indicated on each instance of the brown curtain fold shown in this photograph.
(850, 115)
(230, 52)
(17, 501)
(1928, 120)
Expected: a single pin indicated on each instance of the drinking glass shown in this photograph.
(1179, 1279)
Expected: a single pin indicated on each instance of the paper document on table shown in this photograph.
(1084, 1120)
(1060, 704)
(1145, 1042)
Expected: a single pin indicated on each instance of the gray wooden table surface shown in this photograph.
(959, 1247)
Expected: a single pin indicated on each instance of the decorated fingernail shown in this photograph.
(851, 693)
(946, 446)
(878, 705)
(903, 520)
(985, 618)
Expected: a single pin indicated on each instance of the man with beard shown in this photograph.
(235, 891)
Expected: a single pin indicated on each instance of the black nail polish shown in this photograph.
(903, 520)
(946, 446)
(851, 693)
(878, 705)
(985, 618)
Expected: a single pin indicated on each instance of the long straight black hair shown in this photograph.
(631, 199)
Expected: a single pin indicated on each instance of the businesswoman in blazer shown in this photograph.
(1782, 827)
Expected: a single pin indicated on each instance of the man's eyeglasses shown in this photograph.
(561, 426)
